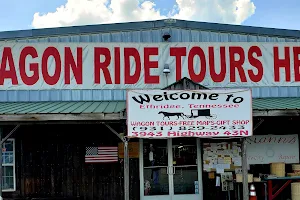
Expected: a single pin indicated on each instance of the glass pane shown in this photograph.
(186, 180)
(9, 145)
(185, 166)
(8, 177)
(156, 179)
(7, 153)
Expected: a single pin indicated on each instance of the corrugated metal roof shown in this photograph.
(146, 25)
(276, 103)
(79, 107)
(8, 108)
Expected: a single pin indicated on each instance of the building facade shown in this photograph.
(43, 161)
(144, 32)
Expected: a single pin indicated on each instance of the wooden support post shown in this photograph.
(245, 171)
(126, 171)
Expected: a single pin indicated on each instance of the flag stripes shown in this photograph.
(101, 154)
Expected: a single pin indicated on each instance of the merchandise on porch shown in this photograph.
(239, 178)
(278, 169)
(295, 191)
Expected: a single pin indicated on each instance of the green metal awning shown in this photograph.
(289, 106)
(114, 110)
(62, 107)
(276, 103)
(61, 111)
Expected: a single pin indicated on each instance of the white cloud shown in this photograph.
(83, 12)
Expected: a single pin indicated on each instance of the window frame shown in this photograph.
(13, 165)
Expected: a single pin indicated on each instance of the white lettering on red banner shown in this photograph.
(140, 65)
(179, 113)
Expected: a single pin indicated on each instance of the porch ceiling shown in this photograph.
(61, 111)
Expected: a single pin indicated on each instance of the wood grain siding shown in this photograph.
(50, 164)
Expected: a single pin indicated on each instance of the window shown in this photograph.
(8, 166)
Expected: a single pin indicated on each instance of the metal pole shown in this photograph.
(126, 171)
(245, 171)
(141, 167)
(199, 164)
(1, 176)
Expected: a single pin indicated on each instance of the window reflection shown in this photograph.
(8, 177)
(8, 181)
(8, 152)
(184, 154)
(156, 180)
(185, 166)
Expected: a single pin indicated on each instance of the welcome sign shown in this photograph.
(181, 113)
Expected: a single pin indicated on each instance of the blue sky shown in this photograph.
(276, 14)
(16, 15)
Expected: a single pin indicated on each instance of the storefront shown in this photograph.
(170, 149)
(63, 93)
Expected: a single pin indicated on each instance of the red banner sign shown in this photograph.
(140, 65)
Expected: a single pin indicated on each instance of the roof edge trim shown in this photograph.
(134, 26)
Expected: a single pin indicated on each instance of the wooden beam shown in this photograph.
(8, 135)
(60, 117)
(112, 116)
(114, 132)
(276, 113)
(57, 122)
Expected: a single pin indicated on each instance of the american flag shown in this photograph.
(101, 154)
